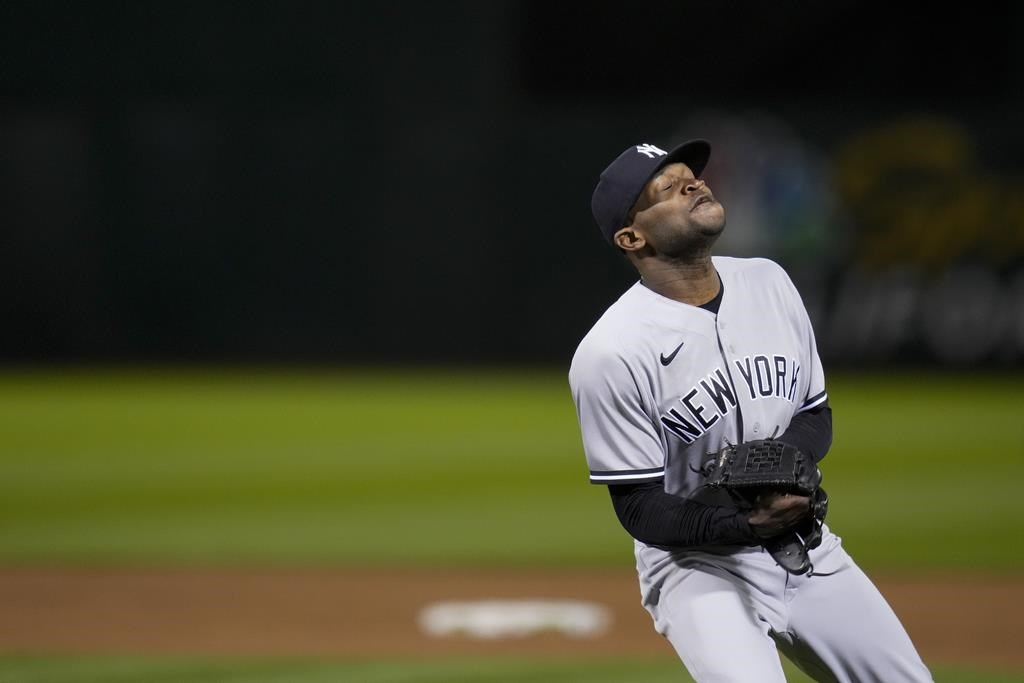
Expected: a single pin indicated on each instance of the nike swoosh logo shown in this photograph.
(665, 360)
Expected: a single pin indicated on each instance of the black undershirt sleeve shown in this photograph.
(655, 517)
(811, 431)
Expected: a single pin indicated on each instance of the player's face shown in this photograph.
(677, 212)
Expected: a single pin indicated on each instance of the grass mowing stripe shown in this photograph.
(417, 466)
(94, 669)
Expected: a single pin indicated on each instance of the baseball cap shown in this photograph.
(624, 179)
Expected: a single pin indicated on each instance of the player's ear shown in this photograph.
(629, 239)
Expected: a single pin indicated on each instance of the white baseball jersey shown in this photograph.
(658, 384)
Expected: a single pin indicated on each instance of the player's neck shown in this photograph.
(690, 282)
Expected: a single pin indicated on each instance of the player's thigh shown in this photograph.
(714, 627)
(843, 624)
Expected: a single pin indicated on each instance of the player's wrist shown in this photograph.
(743, 532)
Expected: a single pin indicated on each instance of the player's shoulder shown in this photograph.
(760, 280)
(758, 272)
(615, 338)
(756, 266)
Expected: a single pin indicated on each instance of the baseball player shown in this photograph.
(704, 352)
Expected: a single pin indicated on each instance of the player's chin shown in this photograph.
(711, 228)
(709, 218)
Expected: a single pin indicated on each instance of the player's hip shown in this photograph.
(657, 565)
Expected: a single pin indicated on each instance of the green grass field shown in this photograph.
(502, 670)
(450, 468)
(442, 468)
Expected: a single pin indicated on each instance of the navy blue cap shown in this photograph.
(624, 179)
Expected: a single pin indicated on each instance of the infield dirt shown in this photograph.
(374, 612)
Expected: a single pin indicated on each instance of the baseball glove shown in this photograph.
(751, 469)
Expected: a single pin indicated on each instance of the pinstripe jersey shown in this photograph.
(658, 384)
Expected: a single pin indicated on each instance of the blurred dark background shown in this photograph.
(362, 183)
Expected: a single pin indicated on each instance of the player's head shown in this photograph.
(652, 202)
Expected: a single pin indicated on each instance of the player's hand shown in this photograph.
(774, 512)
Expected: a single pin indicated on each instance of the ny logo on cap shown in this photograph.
(651, 151)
